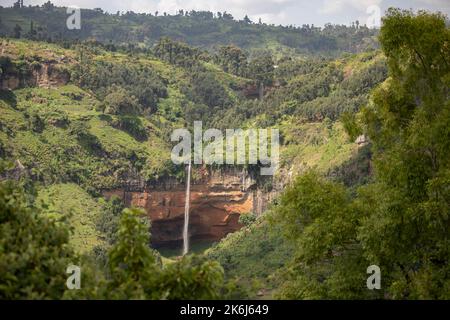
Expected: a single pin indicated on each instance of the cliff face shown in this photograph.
(217, 201)
(46, 75)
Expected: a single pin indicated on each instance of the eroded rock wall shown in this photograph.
(46, 75)
(217, 201)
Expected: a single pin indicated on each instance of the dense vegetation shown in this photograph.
(197, 28)
(398, 221)
(106, 123)
(39, 271)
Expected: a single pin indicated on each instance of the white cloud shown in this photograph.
(338, 6)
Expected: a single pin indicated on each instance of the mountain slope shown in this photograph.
(197, 28)
(86, 119)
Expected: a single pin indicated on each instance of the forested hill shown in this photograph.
(80, 119)
(197, 28)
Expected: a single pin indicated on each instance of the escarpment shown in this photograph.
(47, 74)
(218, 198)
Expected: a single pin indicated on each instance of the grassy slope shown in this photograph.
(321, 146)
(81, 210)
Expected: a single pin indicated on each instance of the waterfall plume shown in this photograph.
(186, 212)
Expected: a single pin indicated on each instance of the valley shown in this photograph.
(87, 120)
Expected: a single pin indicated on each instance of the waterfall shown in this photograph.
(186, 212)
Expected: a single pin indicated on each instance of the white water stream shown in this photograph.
(186, 212)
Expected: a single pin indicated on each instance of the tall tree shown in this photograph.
(34, 251)
(232, 59)
(261, 69)
(17, 31)
(401, 221)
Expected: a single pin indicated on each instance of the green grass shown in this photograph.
(82, 211)
(321, 146)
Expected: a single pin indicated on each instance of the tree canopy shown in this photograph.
(400, 222)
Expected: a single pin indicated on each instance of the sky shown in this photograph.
(285, 12)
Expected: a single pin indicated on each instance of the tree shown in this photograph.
(34, 251)
(206, 89)
(18, 4)
(318, 216)
(176, 52)
(109, 221)
(232, 59)
(261, 69)
(6, 65)
(400, 221)
(17, 31)
(193, 278)
(132, 263)
(227, 16)
(32, 31)
(119, 102)
(80, 130)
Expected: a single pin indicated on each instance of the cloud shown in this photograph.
(441, 3)
(338, 6)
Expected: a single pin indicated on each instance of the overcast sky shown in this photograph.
(284, 12)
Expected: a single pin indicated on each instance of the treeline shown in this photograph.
(198, 28)
(313, 89)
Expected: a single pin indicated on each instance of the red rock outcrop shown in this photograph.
(216, 203)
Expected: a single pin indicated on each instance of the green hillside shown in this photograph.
(75, 141)
(364, 155)
(198, 28)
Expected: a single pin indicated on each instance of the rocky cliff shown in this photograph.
(47, 74)
(218, 198)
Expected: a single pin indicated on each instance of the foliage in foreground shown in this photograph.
(35, 253)
(400, 222)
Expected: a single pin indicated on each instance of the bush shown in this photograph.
(120, 102)
(80, 130)
(132, 125)
(247, 219)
